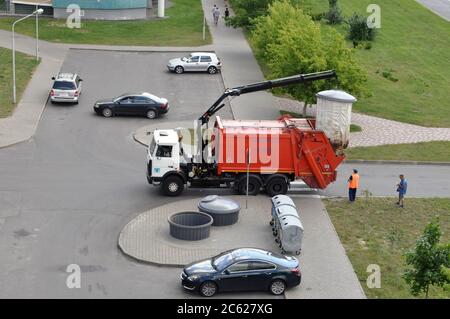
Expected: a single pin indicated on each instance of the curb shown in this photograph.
(137, 50)
(138, 141)
(381, 162)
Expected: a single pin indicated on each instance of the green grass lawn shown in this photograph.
(25, 66)
(427, 151)
(376, 231)
(183, 27)
(413, 47)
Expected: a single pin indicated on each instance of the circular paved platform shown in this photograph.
(147, 237)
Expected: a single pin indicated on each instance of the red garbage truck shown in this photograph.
(248, 155)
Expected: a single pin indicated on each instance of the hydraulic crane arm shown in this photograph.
(266, 85)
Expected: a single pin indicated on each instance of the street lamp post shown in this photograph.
(36, 12)
(37, 34)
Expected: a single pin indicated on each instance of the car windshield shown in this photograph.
(64, 85)
(116, 99)
(187, 57)
(222, 261)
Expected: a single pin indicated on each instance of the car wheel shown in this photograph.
(277, 186)
(172, 186)
(254, 185)
(107, 112)
(212, 70)
(179, 69)
(277, 287)
(152, 114)
(208, 289)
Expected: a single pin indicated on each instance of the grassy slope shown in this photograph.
(429, 151)
(413, 44)
(25, 66)
(183, 27)
(366, 226)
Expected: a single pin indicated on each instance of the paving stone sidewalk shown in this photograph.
(378, 131)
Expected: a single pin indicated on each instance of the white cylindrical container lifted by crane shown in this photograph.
(334, 115)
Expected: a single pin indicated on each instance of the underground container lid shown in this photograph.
(218, 205)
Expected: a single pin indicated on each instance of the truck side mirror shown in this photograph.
(53, 78)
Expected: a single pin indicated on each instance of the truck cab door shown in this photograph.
(166, 159)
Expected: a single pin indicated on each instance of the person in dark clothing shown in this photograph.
(227, 13)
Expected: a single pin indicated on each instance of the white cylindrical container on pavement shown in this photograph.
(334, 115)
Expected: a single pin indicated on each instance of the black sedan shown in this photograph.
(243, 269)
(144, 104)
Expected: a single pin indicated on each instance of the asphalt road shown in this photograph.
(66, 194)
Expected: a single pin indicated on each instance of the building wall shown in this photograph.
(101, 4)
(27, 9)
(102, 14)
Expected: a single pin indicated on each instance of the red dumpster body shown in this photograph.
(288, 146)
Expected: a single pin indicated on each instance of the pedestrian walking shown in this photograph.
(353, 184)
(227, 13)
(402, 187)
(213, 12)
(216, 14)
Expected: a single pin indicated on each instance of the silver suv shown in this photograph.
(66, 88)
(196, 62)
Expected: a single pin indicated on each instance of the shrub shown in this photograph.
(245, 11)
(359, 30)
(334, 15)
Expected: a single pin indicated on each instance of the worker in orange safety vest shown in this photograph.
(353, 184)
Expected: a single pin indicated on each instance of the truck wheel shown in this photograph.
(277, 186)
(172, 186)
(254, 185)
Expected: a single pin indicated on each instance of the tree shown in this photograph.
(247, 10)
(334, 14)
(289, 42)
(427, 262)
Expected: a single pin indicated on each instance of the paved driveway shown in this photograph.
(66, 194)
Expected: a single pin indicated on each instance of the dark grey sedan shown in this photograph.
(143, 104)
(243, 269)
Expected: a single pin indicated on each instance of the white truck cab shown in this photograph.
(163, 154)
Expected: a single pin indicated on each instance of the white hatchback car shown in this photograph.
(66, 88)
(196, 62)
